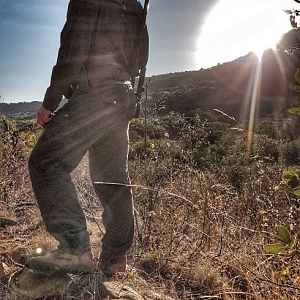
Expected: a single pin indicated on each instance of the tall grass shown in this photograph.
(200, 224)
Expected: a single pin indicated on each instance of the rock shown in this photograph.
(33, 285)
(4, 222)
(84, 285)
(157, 296)
(117, 290)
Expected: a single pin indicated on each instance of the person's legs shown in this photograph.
(97, 115)
(109, 173)
(57, 152)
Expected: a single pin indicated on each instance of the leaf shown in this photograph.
(297, 191)
(295, 110)
(288, 11)
(287, 176)
(291, 176)
(284, 235)
(274, 248)
(293, 242)
(292, 169)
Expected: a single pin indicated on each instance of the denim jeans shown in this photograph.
(94, 121)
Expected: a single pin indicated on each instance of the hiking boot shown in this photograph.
(67, 261)
(117, 264)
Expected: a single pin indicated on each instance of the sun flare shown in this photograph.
(235, 28)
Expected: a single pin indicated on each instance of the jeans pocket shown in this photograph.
(118, 95)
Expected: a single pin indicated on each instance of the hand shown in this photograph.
(43, 116)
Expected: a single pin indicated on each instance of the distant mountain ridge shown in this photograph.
(20, 109)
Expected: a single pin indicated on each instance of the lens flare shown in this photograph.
(255, 96)
(39, 251)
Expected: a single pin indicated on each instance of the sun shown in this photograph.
(234, 28)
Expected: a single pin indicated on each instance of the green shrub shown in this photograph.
(268, 127)
(154, 129)
(291, 152)
(267, 148)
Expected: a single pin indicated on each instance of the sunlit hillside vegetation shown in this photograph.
(205, 206)
(228, 87)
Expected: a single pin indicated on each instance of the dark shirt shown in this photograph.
(97, 45)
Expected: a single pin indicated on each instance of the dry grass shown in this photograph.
(210, 226)
(198, 236)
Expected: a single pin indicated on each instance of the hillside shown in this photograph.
(227, 87)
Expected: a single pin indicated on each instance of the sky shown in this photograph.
(184, 35)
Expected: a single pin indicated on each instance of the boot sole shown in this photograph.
(46, 267)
